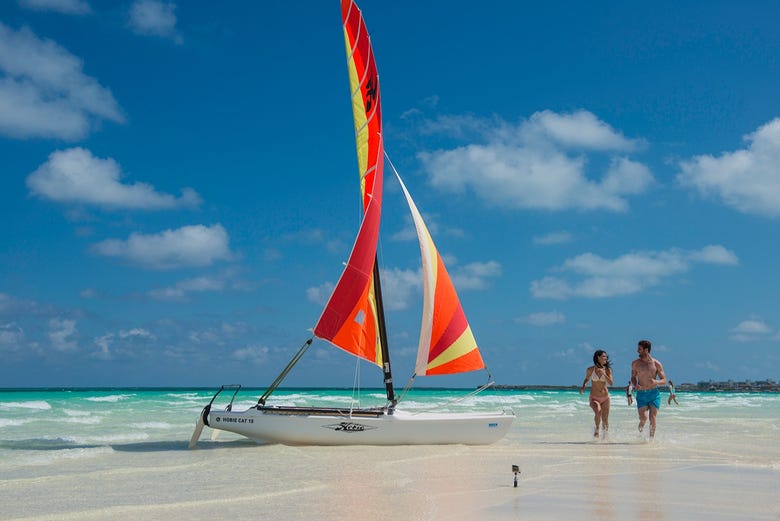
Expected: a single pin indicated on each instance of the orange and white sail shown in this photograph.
(350, 319)
(447, 344)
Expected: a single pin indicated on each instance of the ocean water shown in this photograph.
(46, 427)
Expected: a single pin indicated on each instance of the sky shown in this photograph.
(179, 190)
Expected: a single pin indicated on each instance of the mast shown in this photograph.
(380, 311)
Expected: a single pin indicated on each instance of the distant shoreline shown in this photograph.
(763, 386)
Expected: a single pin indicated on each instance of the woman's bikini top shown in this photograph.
(595, 378)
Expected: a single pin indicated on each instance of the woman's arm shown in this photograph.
(587, 377)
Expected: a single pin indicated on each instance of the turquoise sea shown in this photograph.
(43, 426)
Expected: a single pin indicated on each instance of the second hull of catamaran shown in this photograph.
(314, 426)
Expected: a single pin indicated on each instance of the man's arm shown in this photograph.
(659, 371)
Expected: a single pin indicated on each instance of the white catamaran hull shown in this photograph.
(331, 428)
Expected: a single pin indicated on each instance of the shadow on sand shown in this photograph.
(54, 444)
(165, 446)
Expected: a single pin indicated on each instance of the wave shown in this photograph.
(111, 398)
(4, 422)
(73, 412)
(39, 405)
(151, 425)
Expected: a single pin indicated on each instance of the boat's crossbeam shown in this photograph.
(325, 411)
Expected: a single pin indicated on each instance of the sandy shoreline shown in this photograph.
(558, 480)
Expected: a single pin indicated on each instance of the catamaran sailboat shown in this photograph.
(353, 319)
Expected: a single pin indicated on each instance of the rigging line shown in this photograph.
(355, 387)
(457, 400)
(408, 387)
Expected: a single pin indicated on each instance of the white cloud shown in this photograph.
(11, 336)
(715, 254)
(182, 288)
(751, 330)
(76, 176)
(59, 6)
(399, 287)
(540, 163)
(553, 238)
(475, 274)
(579, 129)
(189, 246)
(628, 274)
(320, 294)
(747, 180)
(256, 354)
(136, 333)
(61, 332)
(104, 347)
(155, 18)
(544, 319)
(44, 91)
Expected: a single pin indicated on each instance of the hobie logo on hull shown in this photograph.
(349, 427)
(228, 419)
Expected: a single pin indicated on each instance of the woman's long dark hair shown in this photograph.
(596, 356)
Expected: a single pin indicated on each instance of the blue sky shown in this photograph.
(179, 186)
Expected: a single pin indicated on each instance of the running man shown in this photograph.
(647, 374)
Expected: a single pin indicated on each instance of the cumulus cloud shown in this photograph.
(76, 176)
(747, 180)
(255, 354)
(597, 277)
(399, 287)
(475, 275)
(44, 91)
(320, 294)
(154, 18)
(125, 341)
(61, 333)
(189, 246)
(539, 164)
(11, 336)
(59, 6)
(581, 129)
(182, 289)
(751, 330)
(544, 319)
(553, 238)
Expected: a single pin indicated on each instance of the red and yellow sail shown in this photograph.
(349, 319)
(447, 344)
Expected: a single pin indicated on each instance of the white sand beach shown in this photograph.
(603, 481)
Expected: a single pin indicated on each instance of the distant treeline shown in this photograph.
(763, 386)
